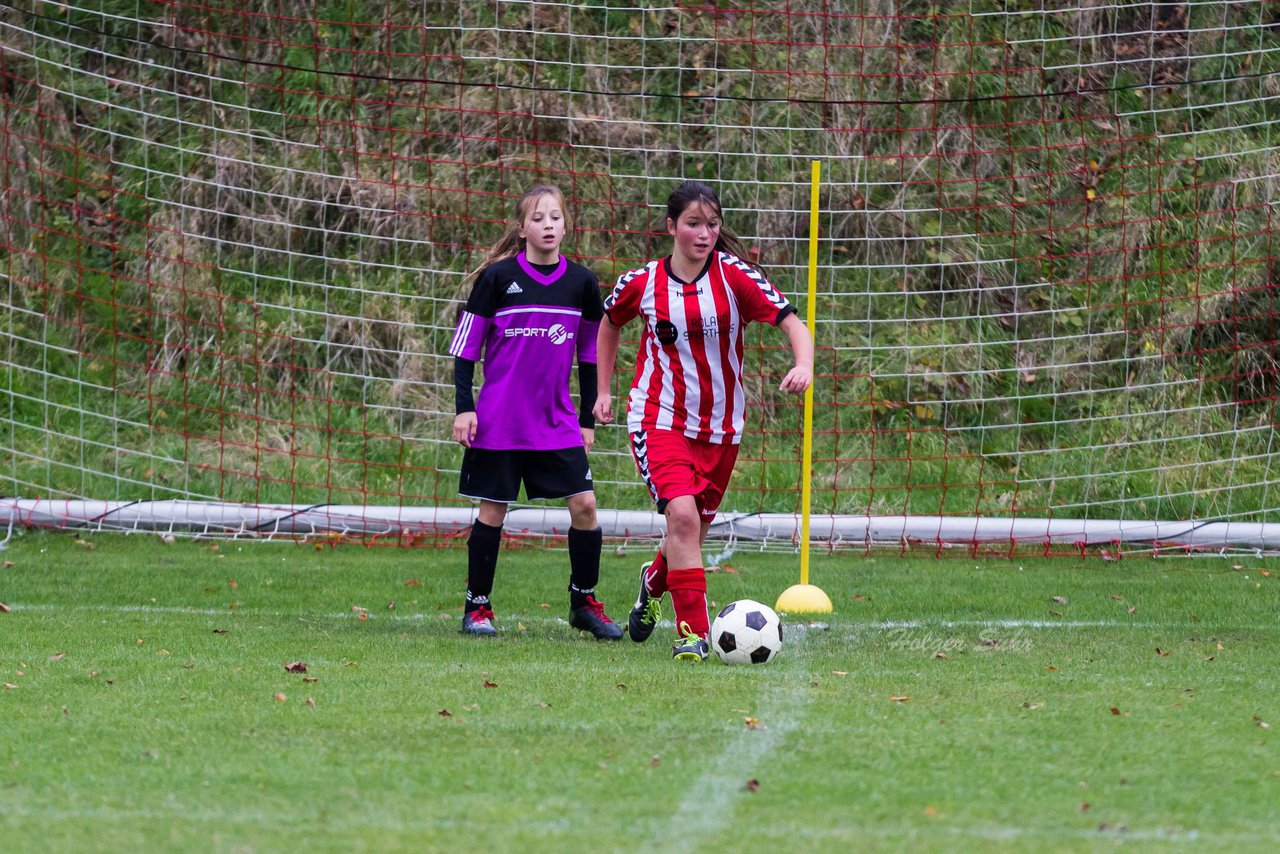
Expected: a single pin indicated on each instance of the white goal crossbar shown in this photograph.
(216, 519)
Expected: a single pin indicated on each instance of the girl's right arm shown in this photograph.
(606, 357)
(464, 423)
(467, 348)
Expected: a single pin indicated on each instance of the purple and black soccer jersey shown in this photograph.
(529, 321)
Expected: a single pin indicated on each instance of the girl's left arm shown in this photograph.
(800, 377)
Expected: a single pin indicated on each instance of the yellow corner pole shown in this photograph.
(804, 598)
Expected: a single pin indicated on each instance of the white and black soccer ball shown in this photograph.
(746, 632)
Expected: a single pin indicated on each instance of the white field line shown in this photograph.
(706, 805)
(377, 612)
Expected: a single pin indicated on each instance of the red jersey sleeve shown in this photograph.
(623, 304)
(758, 299)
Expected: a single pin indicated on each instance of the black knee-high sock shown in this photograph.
(584, 564)
(482, 562)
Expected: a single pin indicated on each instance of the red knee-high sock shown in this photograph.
(689, 598)
(656, 579)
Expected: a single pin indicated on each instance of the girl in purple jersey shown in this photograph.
(530, 313)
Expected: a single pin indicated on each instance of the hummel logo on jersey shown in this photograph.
(513, 288)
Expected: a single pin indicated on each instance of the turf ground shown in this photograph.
(947, 704)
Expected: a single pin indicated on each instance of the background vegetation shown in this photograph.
(233, 237)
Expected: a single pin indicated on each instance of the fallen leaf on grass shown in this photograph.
(311, 701)
(1084, 807)
(474, 707)
(839, 672)
(1162, 652)
(1053, 613)
(752, 723)
(391, 606)
(413, 582)
(899, 699)
(940, 654)
(296, 667)
(1060, 600)
(219, 631)
(445, 713)
(1133, 610)
(1033, 706)
(1265, 573)
(857, 597)
(281, 697)
(1115, 710)
(654, 762)
(931, 811)
(542, 704)
(543, 605)
(9, 686)
(9, 563)
(4, 609)
(86, 545)
(753, 785)
(232, 583)
(58, 656)
(488, 684)
(309, 680)
(1116, 597)
(1260, 722)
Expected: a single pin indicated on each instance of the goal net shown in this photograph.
(233, 238)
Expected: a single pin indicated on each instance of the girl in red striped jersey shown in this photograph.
(686, 408)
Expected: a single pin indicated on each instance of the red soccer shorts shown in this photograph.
(672, 465)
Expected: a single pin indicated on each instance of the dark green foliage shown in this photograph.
(235, 238)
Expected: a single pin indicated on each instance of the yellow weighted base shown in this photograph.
(803, 599)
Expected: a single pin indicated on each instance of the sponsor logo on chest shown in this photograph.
(556, 333)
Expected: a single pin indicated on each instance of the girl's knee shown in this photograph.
(582, 509)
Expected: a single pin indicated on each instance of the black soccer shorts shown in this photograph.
(547, 475)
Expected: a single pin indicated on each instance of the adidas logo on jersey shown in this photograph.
(513, 288)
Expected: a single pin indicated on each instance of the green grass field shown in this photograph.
(1028, 704)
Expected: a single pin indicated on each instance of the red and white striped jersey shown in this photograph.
(689, 369)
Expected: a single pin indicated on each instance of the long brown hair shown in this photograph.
(694, 192)
(511, 243)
